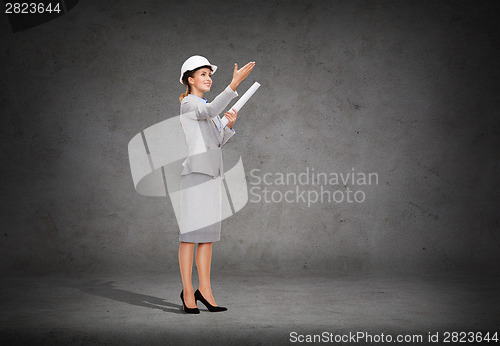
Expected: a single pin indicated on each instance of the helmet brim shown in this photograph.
(214, 68)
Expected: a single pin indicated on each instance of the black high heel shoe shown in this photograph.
(186, 309)
(210, 307)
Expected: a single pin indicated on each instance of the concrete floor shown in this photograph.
(264, 308)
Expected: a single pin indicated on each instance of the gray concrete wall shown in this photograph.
(407, 90)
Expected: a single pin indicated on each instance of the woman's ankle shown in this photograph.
(189, 290)
(205, 289)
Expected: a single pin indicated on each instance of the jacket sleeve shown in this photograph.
(200, 110)
(226, 134)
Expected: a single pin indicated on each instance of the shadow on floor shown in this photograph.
(107, 290)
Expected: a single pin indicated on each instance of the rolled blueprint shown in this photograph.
(243, 99)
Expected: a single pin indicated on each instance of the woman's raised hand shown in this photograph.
(241, 74)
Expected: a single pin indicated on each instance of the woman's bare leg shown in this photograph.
(203, 264)
(186, 267)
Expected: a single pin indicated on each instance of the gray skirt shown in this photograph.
(201, 208)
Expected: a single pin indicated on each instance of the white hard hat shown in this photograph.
(194, 62)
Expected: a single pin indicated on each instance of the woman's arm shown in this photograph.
(231, 117)
(227, 130)
(197, 109)
(209, 110)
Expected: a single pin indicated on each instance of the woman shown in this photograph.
(201, 178)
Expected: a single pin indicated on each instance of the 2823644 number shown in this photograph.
(24, 7)
(474, 337)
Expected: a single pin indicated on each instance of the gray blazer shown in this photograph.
(202, 133)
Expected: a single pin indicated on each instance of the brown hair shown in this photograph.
(185, 77)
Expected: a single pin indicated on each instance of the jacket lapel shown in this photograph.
(216, 127)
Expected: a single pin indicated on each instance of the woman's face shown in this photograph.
(201, 80)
